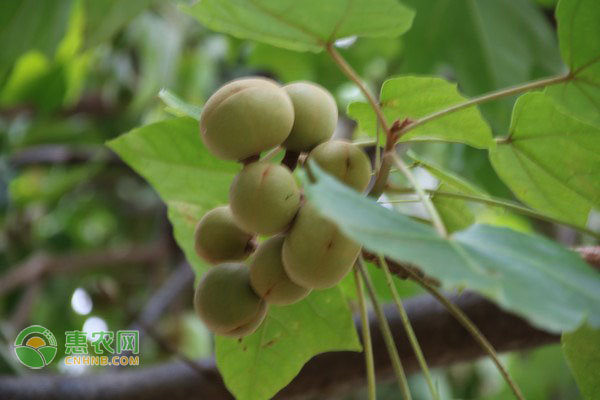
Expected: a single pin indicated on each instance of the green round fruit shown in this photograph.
(226, 303)
(217, 237)
(245, 117)
(264, 198)
(315, 116)
(345, 161)
(315, 253)
(268, 277)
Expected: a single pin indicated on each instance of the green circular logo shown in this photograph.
(35, 346)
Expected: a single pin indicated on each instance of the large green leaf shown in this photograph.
(258, 366)
(414, 97)
(551, 161)
(105, 17)
(578, 34)
(516, 270)
(30, 25)
(582, 349)
(170, 155)
(303, 25)
(485, 44)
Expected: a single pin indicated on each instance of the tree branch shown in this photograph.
(54, 154)
(444, 341)
(42, 264)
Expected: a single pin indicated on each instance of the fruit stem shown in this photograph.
(553, 80)
(383, 168)
(366, 334)
(435, 216)
(385, 331)
(408, 328)
(470, 326)
(290, 159)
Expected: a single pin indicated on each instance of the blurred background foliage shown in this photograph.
(76, 73)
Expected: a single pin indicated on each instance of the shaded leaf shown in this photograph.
(578, 34)
(552, 161)
(414, 97)
(303, 26)
(515, 270)
(104, 18)
(191, 181)
(31, 25)
(485, 44)
(582, 350)
(258, 366)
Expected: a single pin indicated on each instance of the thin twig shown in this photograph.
(366, 335)
(386, 332)
(408, 328)
(492, 201)
(384, 167)
(435, 216)
(487, 97)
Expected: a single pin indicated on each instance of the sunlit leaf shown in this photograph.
(171, 157)
(414, 97)
(551, 161)
(259, 365)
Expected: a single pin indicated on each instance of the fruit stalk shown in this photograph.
(386, 332)
(408, 328)
(366, 335)
(466, 322)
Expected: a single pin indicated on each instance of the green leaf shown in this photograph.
(485, 44)
(550, 161)
(177, 106)
(582, 350)
(515, 270)
(578, 33)
(104, 18)
(303, 26)
(414, 97)
(191, 181)
(258, 366)
(31, 25)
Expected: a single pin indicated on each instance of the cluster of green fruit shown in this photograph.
(306, 251)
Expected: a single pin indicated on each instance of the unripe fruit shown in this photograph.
(217, 237)
(315, 116)
(345, 161)
(264, 198)
(246, 117)
(315, 253)
(268, 277)
(226, 303)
